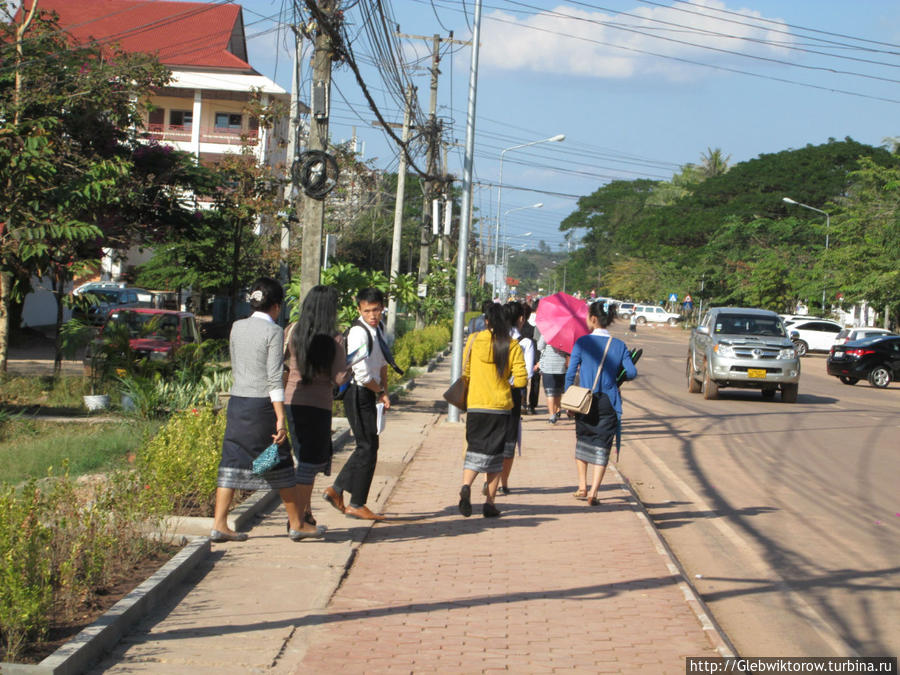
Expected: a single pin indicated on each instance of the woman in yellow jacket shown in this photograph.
(491, 359)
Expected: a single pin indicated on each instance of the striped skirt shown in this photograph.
(485, 440)
(595, 432)
(250, 423)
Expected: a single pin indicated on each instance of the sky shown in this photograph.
(638, 87)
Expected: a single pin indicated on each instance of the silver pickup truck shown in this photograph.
(746, 348)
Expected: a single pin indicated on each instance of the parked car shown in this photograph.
(745, 348)
(793, 318)
(854, 334)
(107, 299)
(625, 309)
(876, 359)
(154, 334)
(813, 335)
(651, 314)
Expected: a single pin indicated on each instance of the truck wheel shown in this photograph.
(768, 393)
(641, 320)
(849, 380)
(880, 377)
(693, 383)
(672, 322)
(710, 387)
(802, 348)
(789, 393)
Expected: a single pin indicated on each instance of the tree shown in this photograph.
(68, 164)
(713, 163)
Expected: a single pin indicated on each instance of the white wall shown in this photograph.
(40, 305)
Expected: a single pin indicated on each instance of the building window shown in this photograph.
(156, 118)
(181, 118)
(228, 121)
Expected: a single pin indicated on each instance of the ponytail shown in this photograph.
(499, 327)
(604, 312)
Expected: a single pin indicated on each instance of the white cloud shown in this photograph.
(572, 41)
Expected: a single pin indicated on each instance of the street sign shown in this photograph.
(688, 298)
(673, 297)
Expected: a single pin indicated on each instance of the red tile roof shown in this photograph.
(187, 34)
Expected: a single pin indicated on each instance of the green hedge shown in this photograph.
(418, 347)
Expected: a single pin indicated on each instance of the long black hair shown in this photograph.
(499, 327)
(313, 337)
(605, 314)
(513, 311)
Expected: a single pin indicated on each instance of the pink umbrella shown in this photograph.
(562, 319)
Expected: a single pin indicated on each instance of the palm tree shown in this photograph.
(713, 163)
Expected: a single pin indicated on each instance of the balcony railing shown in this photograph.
(207, 134)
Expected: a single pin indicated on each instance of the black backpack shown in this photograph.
(340, 392)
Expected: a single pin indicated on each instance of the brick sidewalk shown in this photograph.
(551, 586)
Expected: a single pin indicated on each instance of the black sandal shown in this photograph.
(308, 518)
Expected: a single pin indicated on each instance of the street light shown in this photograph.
(553, 139)
(788, 200)
(538, 205)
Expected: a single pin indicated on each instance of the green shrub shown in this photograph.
(25, 592)
(62, 541)
(178, 467)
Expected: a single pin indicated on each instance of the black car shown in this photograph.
(876, 359)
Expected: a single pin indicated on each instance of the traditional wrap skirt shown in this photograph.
(485, 439)
(514, 426)
(249, 426)
(310, 429)
(554, 383)
(595, 432)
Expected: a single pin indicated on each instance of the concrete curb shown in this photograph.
(713, 630)
(91, 643)
(95, 640)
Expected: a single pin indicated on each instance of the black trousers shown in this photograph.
(356, 476)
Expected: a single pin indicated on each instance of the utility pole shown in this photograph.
(433, 133)
(313, 220)
(398, 216)
(292, 190)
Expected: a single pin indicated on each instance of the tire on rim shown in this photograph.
(710, 387)
(802, 348)
(789, 393)
(673, 321)
(880, 377)
(694, 385)
(641, 320)
(848, 380)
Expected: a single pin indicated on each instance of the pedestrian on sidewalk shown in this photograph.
(317, 362)
(493, 357)
(370, 356)
(533, 333)
(597, 359)
(515, 316)
(552, 365)
(256, 410)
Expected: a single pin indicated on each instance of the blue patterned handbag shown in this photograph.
(267, 459)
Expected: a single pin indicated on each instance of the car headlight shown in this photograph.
(724, 350)
(787, 353)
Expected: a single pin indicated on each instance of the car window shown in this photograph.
(187, 330)
(844, 333)
(740, 324)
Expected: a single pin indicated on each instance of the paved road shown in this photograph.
(785, 516)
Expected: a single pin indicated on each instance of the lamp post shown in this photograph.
(539, 205)
(553, 139)
(788, 200)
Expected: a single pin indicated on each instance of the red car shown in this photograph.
(152, 333)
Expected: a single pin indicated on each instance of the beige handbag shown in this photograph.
(578, 399)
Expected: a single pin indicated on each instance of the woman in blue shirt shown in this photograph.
(595, 432)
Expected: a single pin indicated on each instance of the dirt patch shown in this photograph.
(61, 631)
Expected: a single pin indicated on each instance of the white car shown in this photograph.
(652, 314)
(816, 335)
(851, 334)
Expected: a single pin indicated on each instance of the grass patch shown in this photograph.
(29, 448)
(44, 392)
